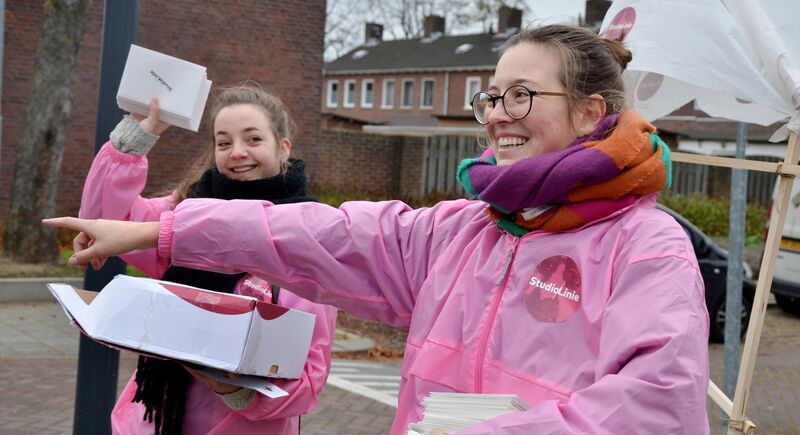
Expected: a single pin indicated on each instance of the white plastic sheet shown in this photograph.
(737, 58)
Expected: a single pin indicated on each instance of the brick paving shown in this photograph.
(38, 362)
(774, 402)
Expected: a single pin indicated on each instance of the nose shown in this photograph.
(238, 150)
(498, 114)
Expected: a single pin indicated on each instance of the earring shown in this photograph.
(483, 142)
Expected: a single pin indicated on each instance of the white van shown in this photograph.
(786, 278)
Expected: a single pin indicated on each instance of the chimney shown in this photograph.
(432, 24)
(508, 18)
(373, 33)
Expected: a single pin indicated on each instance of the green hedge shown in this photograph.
(712, 215)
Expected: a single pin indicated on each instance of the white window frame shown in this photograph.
(403, 94)
(468, 93)
(422, 92)
(364, 103)
(385, 95)
(335, 102)
(346, 104)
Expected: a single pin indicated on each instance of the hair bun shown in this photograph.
(621, 54)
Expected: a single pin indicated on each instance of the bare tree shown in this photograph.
(485, 12)
(402, 19)
(40, 151)
(344, 26)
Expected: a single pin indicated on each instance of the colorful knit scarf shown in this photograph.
(592, 178)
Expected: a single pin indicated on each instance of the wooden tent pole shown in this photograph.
(738, 422)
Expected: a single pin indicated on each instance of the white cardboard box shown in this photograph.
(229, 332)
(181, 87)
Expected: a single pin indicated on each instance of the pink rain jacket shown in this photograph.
(112, 191)
(603, 330)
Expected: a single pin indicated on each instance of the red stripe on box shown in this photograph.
(269, 311)
(215, 302)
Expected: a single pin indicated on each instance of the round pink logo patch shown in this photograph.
(649, 86)
(554, 292)
(621, 25)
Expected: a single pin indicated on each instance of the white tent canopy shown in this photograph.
(738, 59)
(729, 56)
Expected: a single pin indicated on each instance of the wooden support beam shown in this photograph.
(789, 168)
(753, 337)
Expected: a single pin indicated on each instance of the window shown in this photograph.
(333, 93)
(473, 87)
(387, 100)
(367, 93)
(408, 94)
(426, 97)
(349, 94)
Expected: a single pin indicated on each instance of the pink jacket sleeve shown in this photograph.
(651, 374)
(303, 392)
(113, 191)
(391, 245)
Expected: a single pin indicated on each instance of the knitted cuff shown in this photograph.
(239, 399)
(130, 138)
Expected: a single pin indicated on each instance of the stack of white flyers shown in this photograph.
(181, 87)
(457, 411)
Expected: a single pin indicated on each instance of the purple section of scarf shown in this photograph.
(545, 179)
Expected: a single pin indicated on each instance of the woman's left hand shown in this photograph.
(215, 386)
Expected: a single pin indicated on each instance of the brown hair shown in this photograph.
(246, 93)
(589, 63)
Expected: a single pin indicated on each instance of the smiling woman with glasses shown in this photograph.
(560, 282)
(517, 102)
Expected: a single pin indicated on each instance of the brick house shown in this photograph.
(276, 43)
(425, 81)
(425, 84)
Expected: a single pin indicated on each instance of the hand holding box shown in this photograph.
(181, 87)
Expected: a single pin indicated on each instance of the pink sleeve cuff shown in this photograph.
(119, 156)
(165, 234)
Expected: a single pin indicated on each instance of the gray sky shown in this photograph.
(550, 8)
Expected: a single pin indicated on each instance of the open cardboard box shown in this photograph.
(228, 332)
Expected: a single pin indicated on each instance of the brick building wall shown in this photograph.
(370, 164)
(276, 43)
(415, 114)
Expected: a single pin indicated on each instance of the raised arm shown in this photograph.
(118, 174)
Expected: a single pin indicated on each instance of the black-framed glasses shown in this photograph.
(517, 102)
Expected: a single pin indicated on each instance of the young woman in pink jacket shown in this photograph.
(561, 282)
(247, 158)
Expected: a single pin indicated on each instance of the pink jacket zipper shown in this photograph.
(502, 281)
